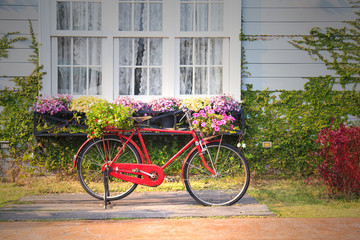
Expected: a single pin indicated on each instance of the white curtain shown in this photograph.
(140, 66)
(79, 15)
(94, 16)
(201, 67)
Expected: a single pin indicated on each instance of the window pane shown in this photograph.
(155, 82)
(64, 81)
(125, 79)
(95, 81)
(216, 17)
(62, 15)
(201, 50)
(186, 17)
(186, 76)
(64, 51)
(79, 54)
(124, 16)
(216, 74)
(140, 84)
(79, 15)
(155, 50)
(79, 81)
(125, 51)
(200, 80)
(140, 52)
(155, 17)
(216, 51)
(95, 46)
(186, 51)
(94, 16)
(202, 17)
(140, 15)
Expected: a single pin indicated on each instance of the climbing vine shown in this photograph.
(291, 120)
(16, 116)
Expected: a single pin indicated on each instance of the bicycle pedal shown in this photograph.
(170, 179)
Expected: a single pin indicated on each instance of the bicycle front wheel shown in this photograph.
(94, 155)
(230, 181)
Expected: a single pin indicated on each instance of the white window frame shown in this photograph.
(170, 34)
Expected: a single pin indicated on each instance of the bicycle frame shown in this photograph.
(148, 166)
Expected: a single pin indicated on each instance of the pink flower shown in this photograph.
(211, 111)
(207, 108)
(196, 115)
(195, 122)
(203, 115)
(203, 124)
(217, 129)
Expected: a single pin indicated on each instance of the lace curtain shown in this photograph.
(201, 65)
(140, 59)
(79, 65)
(201, 59)
(79, 58)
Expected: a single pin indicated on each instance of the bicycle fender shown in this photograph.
(75, 157)
(189, 154)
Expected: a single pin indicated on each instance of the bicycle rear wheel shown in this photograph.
(94, 156)
(230, 182)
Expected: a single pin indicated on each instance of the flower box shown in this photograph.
(64, 123)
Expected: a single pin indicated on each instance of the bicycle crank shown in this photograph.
(144, 174)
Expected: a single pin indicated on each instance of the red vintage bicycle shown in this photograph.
(111, 167)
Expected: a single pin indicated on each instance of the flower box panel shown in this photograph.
(59, 124)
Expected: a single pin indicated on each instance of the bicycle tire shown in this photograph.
(231, 182)
(93, 157)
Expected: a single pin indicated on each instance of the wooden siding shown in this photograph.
(14, 16)
(276, 64)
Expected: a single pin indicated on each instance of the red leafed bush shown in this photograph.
(339, 156)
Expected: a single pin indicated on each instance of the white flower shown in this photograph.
(243, 145)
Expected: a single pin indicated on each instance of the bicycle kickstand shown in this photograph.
(106, 187)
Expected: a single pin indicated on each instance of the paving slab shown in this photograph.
(136, 205)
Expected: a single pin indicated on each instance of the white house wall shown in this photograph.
(275, 64)
(14, 16)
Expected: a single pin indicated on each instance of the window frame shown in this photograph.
(170, 34)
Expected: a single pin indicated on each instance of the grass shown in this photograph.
(296, 198)
(284, 197)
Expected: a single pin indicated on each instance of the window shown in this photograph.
(79, 59)
(201, 65)
(79, 65)
(201, 59)
(140, 15)
(140, 66)
(141, 48)
(202, 15)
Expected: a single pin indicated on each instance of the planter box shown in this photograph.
(64, 123)
(68, 123)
